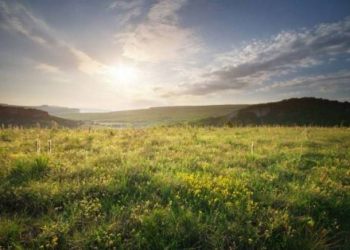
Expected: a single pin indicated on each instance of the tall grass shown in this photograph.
(176, 188)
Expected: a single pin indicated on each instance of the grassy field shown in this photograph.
(155, 116)
(176, 188)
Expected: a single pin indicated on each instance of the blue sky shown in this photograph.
(120, 54)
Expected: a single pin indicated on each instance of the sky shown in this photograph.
(131, 54)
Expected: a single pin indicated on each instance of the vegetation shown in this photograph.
(12, 116)
(54, 110)
(291, 112)
(155, 116)
(51, 110)
(176, 188)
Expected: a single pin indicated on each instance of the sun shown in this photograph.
(124, 73)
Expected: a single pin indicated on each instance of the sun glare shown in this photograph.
(124, 73)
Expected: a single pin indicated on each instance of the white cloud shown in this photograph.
(160, 38)
(284, 53)
(17, 18)
(47, 68)
(165, 11)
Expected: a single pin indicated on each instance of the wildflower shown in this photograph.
(311, 223)
(54, 241)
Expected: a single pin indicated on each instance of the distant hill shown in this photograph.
(299, 112)
(155, 116)
(51, 110)
(28, 117)
(55, 110)
(89, 110)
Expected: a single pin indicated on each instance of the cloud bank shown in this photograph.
(324, 83)
(259, 61)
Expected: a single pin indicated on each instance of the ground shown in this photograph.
(176, 188)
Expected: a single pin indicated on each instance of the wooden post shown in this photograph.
(49, 149)
(252, 148)
(306, 132)
(37, 145)
(89, 129)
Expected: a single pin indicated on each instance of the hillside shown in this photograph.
(28, 117)
(300, 112)
(55, 110)
(51, 110)
(155, 116)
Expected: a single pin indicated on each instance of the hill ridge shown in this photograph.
(29, 117)
(289, 112)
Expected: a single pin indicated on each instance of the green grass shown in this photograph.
(176, 188)
(155, 116)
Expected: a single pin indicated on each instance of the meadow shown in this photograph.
(175, 188)
(154, 116)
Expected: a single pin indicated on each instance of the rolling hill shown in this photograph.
(55, 110)
(28, 117)
(291, 112)
(154, 116)
(51, 110)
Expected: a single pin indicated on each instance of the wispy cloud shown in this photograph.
(323, 83)
(87, 64)
(125, 4)
(259, 61)
(129, 9)
(15, 17)
(160, 38)
(47, 68)
(165, 11)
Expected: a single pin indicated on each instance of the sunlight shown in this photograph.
(124, 73)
